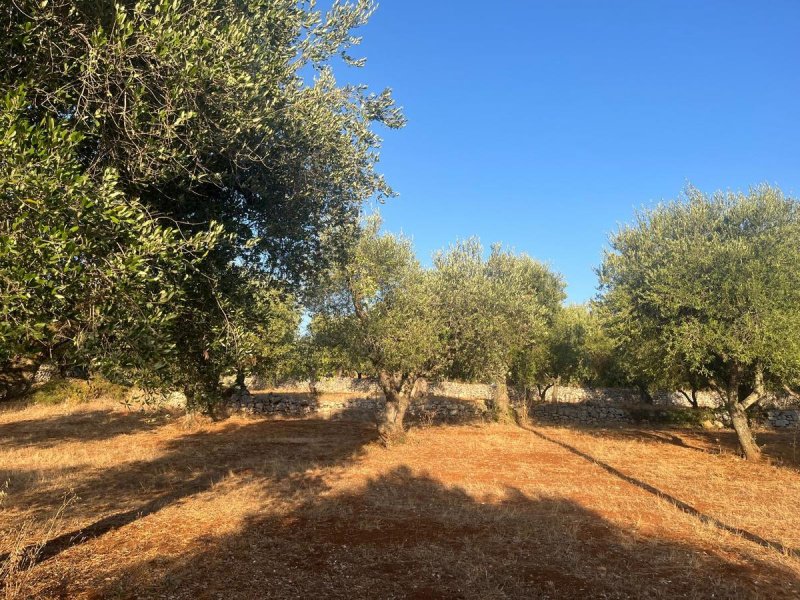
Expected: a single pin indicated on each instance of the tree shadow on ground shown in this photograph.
(83, 426)
(280, 451)
(676, 502)
(780, 447)
(654, 433)
(405, 535)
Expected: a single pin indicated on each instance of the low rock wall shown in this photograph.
(582, 414)
(363, 400)
(600, 414)
(433, 409)
(370, 387)
(483, 391)
(783, 418)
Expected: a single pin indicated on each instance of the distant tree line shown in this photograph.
(697, 294)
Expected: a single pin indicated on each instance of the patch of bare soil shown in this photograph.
(270, 508)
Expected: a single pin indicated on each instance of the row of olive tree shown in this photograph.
(700, 294)
(466, 318)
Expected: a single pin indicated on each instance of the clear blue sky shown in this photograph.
(544, 124)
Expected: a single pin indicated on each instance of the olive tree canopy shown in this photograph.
(494, 309)
(709, 287)
(215, 118)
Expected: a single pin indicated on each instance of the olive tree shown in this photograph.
(215, 118)
(710, 287)
(380, 307)
(264, 328)
(494, 310)
(568, 353)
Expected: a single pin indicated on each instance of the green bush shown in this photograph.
(77, 391)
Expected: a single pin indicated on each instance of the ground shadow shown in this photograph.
(83, 426)
(280, 451)
(676, 502)
(625, 431)
(405, 535)
(781, 447)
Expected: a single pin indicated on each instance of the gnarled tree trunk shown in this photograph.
(391, 428)
(398, 390)
(503, 412)
(747, 441)
(738, 403)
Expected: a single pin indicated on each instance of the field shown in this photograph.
(128, 504)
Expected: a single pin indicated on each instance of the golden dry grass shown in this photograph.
(260, 508)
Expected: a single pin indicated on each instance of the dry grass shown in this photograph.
(251, 507)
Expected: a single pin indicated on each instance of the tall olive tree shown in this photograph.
(209, 116)
(381, 308)
(494, 310)
(710, 286)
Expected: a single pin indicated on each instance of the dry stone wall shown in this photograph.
(369, 387)
(582, 414)
(429, 409)
(450, 401)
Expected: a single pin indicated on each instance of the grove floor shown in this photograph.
(129, 504)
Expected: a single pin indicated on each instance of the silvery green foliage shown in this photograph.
(573, 350)
(380, 307)
(494, 309)
(224, 110)
(708, 288)
(216, 118)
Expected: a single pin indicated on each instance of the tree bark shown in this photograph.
(691, 399)
(398, 390)
(391, 428)
(542, 389)
(240, 377)
(747, 442)
(737, 408)
(502, 405)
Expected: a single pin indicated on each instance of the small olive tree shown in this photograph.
(710, 288)
(570, 352)
(494, 310)
(380, 308)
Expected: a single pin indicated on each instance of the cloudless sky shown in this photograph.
(544, 124)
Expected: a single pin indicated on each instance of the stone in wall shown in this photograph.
(783, 418)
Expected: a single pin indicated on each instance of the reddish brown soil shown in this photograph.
(257, 508)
